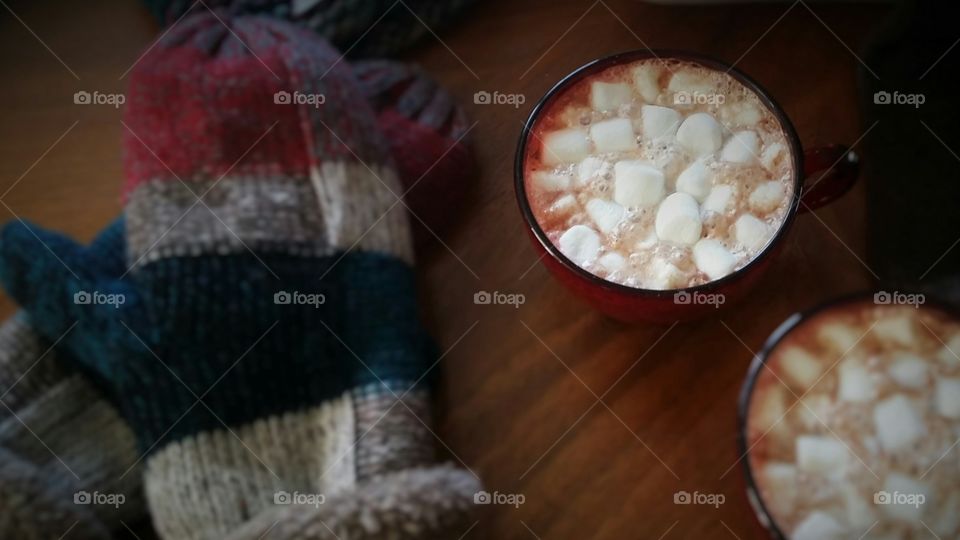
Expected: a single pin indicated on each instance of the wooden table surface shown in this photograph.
(596, 423)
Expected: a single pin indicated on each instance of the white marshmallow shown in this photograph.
(838, 336)
(814, 410)
(614, 135)
(903, 510)
(751, 232)
(659, 122)
(589, 168)
(700, 134)
(770, 411)
(948, 397)
(551, 181)
(719, 199)
(580, 243)
(564, 205)
(948, 521)
(897, 329)
(949, 354)
(741, 114)
(909, 371)
(897, 423)
(612, 262)
(771, 155)
(565, 146)
(767, 196)
(713, 259)
(695, 181)
(605, 96)
(690, 82)
(637, 184)
(605, 214)
(646, 78)
(678, 220)
(856, 383)
(664, 275)
(742, 147)
(780, 478)
(819, 526)
(859, 511)
(821, 454)
(801, 368)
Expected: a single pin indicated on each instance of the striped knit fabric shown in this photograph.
(362, 28)
(428, 133)
(266, 346)
(62, 446)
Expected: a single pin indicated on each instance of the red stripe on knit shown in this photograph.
(436, 173)
(193, 116)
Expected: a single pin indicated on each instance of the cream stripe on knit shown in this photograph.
(341, 205)
(204, 486)
(359, 204)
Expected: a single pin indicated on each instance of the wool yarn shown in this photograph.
(428, 134)
(262, 339)
(360, 28)
(68, 461)
(67, 453)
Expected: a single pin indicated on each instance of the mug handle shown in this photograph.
(829, 172)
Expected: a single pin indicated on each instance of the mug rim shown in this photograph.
(662, 55)
(744, 399)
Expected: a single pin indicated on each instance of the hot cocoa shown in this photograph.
(659, 174)
(853, 425)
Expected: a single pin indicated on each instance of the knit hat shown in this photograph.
(67, 459)
(264, 342)
(360, 28)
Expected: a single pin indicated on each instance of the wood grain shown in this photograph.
(518, 401)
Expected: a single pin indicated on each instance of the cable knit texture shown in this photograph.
(266, 310)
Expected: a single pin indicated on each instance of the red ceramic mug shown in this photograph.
(820, 176)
